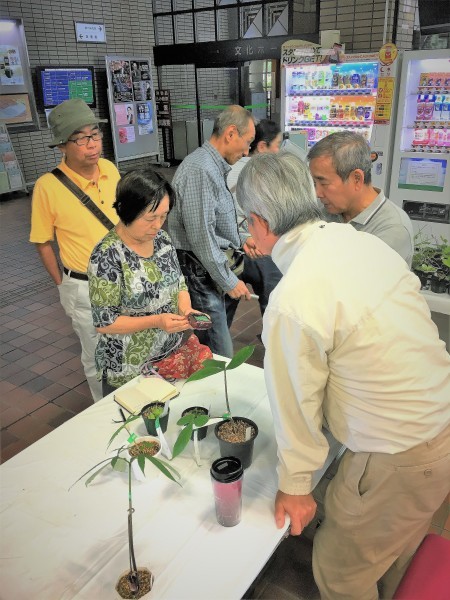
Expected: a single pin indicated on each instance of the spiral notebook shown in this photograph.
(134, 397)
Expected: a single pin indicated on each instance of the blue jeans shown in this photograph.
(206, 298)
(263, 275)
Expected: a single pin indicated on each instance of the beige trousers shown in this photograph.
(378, 508)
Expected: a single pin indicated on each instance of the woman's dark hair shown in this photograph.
(140, 191)
(265, 131)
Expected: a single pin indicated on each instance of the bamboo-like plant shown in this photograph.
(212, 367)
(122, 464)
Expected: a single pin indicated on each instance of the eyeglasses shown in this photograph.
(241, 135)
(247, 142)
(83, 140)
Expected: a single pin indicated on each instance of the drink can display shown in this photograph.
(355, 79)
(420, 137)
(429, 107)
(335, 79)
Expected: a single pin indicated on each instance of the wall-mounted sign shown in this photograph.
(90, 32)
(163, 110)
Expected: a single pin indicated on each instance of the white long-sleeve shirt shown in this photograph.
(348, 337)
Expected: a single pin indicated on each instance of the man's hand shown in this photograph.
(240, 291)
(251, 250)
(301, 510)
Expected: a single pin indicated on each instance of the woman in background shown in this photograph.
(259, 271)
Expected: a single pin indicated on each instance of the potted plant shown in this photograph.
(189, 418)
(431, 262)
(136, 581)
(153, 411)
(236, 435)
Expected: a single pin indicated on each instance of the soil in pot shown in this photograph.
(145, 579)
(147, 448)
(231, 435)
(150, 412)
(197, 410)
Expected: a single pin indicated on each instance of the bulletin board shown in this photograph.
(17, 103)
(132, 107)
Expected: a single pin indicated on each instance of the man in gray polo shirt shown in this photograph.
(341, 168)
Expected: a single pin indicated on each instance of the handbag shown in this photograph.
(83, 198)
(184, 361)
(235, 260)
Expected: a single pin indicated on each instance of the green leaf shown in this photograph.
(186, 420)
(202, 373)
(182, 440)
(94, 475)
(119, 464)
(105, 462)
(168, 466)
(141, 462)
(125, 424)
(200, 420)
(211, 362)
(240, 357)
(162, 467)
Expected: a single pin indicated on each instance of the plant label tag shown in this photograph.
(197, 449)
(248, 433)
(165, 450)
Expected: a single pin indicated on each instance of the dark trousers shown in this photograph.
(263, 275)
(208, 299)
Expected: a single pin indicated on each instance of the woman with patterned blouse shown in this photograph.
(138, 294)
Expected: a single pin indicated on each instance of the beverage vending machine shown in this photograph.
(323, 97)
(420, 181)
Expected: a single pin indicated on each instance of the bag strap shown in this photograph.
(83, 198)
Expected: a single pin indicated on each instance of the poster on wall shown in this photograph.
(11, 72)
(142, 91)
(140, 70)
(132, 107)
(15, 108)
(121, 80)
(145, 117)
(124, 114)
(126, 135)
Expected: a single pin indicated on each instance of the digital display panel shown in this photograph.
(64, 83)
(426, 174)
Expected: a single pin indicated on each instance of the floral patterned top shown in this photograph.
(121, 282)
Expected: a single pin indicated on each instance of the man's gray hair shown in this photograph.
(232, 115)
(280, 189)
(348, 151)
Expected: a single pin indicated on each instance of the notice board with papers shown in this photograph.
(132, 107)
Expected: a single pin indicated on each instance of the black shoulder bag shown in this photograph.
(83, 198)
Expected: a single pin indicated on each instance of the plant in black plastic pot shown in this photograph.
(190, 418)
(236, 435)
(136, 581)
(153, 411)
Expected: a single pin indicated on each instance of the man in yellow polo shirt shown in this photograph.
(56, 210)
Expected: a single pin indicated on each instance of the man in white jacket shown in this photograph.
(350, 343)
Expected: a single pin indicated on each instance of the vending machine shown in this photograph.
(323, 97)
(420, 182)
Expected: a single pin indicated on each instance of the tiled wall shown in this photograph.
(50, 34)
(361, 22)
